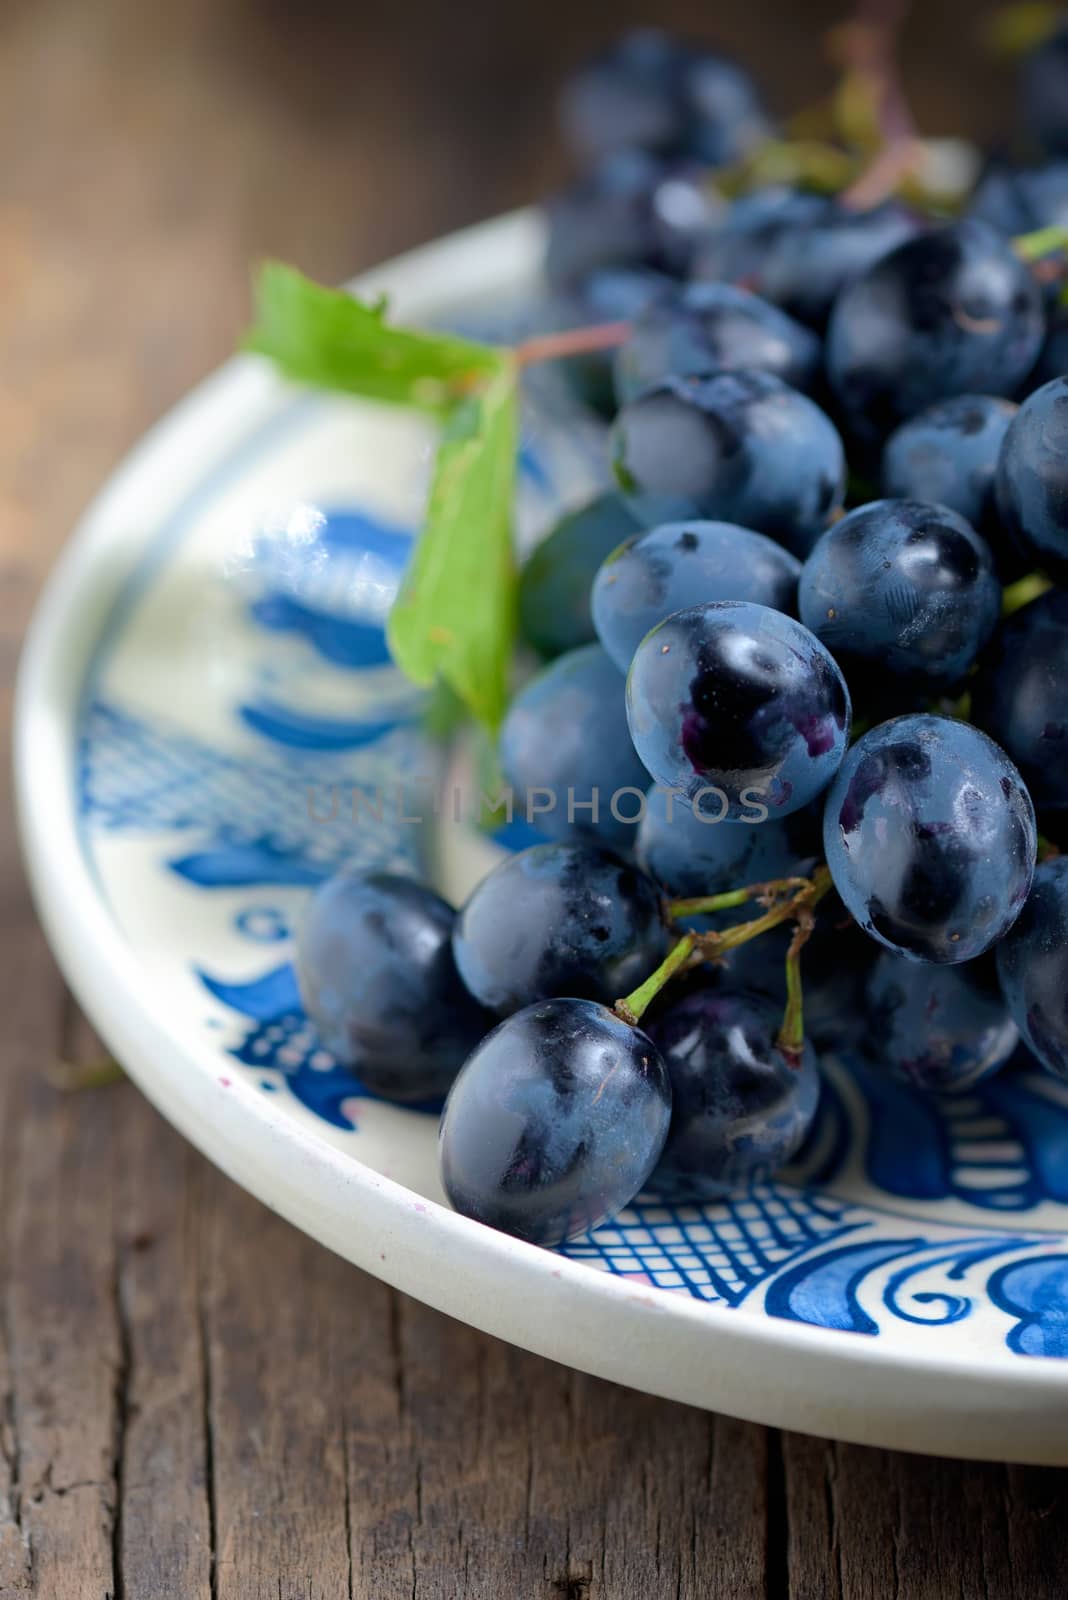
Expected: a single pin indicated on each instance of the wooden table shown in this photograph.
(195, 1400)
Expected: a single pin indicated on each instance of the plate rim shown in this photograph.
(550, 1304)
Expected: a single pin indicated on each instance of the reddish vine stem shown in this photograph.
(572, 342)
(871, 50)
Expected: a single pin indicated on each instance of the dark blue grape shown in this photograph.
(1044, 92)
(734, 447)
(734, 249)
(953, 311)
(904, 588)
(652, 92)
(1020, 696)
(627, 98)
(834, 965)
(608, 294)
(685, 207)
(726, 120)
(559, 919)
(605, 220)
(566, 752)
(949, 453)
(685, 564)
(800, 250)
(690, 855)
(930, 837)
(740, 1108)
(554, 586)
(1033, 967)
(942, 1029)
(555, 1122)
(1053, 362)
(1022, 199)
(378, 980)
(735, 698)
(714, 327)
(1032, 480)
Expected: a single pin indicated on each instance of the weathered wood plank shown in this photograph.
(285, 1323)
(162, 1461)
(64, 1336)
(864, 1524)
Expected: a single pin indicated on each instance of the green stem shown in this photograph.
(707, 905)
(730, 938)
(1019, 594)
(791, 1040)
(799, 905)
(1042, 242)
(634, 1005)
(73, 1075)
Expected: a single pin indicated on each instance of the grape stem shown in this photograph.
(636, 1003)
(707, 905)
(870, 50)
(791, 1040)
(785, 907)
(1019, 594)
(1043, 242)
(572, 342)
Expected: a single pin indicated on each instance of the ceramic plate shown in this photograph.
(208, 722)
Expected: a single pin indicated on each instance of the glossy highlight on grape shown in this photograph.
(739, 708)
(902, 587)
(954, 311)
(738, 447)
(559, 919)
(930, 837)
(740, 1107)
(555, 1122)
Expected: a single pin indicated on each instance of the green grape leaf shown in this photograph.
(329, 338)
(454, 621)
(455, 617)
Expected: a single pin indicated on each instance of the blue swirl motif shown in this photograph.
(1036, 1291)
(823, 1290)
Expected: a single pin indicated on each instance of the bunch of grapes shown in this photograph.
(799, 729)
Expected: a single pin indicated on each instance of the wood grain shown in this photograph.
(195, 1401)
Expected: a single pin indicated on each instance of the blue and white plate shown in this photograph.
(208, 722)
